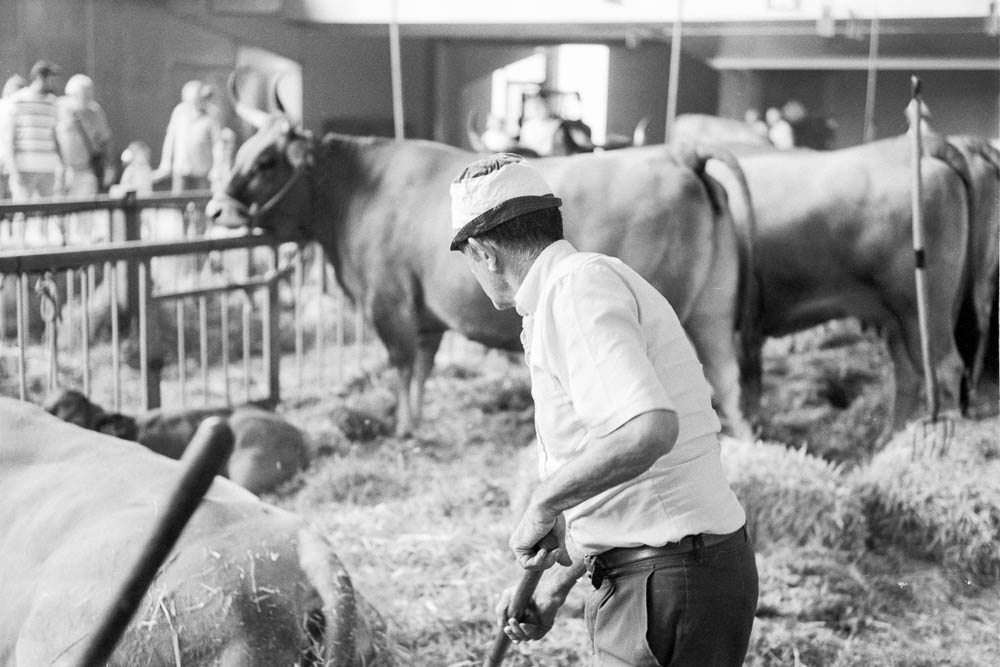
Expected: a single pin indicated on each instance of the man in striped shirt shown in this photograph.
(30, 136)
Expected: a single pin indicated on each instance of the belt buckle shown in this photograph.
(595, 571)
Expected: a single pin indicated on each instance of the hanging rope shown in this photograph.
(48, 294)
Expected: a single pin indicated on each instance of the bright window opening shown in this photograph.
(579, 68)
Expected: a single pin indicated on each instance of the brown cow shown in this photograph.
(267, 450)
(380, 209)
(834, 239)
(973, 337)
(700, 128)
(248, 584)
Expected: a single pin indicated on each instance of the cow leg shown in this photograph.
(426, 349)
(904, 347)
(404, 409)
(716, 349)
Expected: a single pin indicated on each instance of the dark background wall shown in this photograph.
(140, 53)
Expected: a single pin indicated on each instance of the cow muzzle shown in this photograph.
(228, 212)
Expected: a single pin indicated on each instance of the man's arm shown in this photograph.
(617, 457)
(549, 597)
(167, 154)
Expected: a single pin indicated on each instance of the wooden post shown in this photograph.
(149, 341)
(271, 342)
(397, 72)
(872, 74)
(675, 68)
(133, 232)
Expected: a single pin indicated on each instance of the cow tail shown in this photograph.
(338, 633)
(750, 294)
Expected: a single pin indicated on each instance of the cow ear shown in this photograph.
(298, 154)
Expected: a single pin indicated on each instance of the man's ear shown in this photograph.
(485, 252)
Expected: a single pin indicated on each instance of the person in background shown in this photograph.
(13, 84)
(137, 170)
(85, 140)
(779, 130)
(632, 487)
(29, 140)
(193, 142)
(495, 137)
(756, 123)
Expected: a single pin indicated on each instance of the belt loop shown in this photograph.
(699, 546)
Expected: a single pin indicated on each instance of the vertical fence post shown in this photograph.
(133, 232)
(149, 341)
(272, 346)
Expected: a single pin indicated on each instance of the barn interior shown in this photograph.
(847, 61)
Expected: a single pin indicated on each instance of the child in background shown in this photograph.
(138, 173)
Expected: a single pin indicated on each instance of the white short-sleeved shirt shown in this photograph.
(602, 347)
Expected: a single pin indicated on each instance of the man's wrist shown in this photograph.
(543, 502)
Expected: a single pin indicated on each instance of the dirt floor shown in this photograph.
(422, 522)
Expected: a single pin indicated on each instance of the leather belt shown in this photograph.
(599, 566)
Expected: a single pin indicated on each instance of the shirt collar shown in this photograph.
(530, 291)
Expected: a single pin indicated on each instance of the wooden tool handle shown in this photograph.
(522, 595)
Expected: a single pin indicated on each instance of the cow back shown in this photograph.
(75, 510)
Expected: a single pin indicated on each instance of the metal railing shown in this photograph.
(68, 281)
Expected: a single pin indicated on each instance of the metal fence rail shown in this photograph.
(56, 289)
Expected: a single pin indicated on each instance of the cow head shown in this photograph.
(74, 407)
(268, 184)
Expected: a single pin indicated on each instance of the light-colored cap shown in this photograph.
(493, 190)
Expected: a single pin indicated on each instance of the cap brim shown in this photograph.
(501, 213)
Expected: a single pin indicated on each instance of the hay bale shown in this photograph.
(943, 508)
(793, 498)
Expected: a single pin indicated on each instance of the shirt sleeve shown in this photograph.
(600, 348)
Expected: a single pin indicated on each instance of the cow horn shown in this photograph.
(255, 117)
(275, 80)
(276, 99)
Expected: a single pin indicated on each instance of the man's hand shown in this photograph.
(529, 544)
(535, 622)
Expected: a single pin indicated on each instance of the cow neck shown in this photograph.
(340, 176)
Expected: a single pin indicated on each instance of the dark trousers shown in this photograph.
(693, 609)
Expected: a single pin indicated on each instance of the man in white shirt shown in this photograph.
(632, 487)
(193, 142)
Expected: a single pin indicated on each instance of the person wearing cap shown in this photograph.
(85, 138)
(192, 145)
(631, 482)
(29, 139)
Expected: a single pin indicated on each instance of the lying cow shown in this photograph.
(267, 449)
(380, 209)
(248, 584)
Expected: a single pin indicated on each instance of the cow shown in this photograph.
(267, 450)
(834, 239)
(380, 209)
(247, 584)
(974, 337)
(705, 128)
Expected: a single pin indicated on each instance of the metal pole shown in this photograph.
(675, 68)
(872, 74)
(397, 74)
(920, 259)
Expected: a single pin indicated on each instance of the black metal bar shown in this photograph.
(33, 261)
(62, 205)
